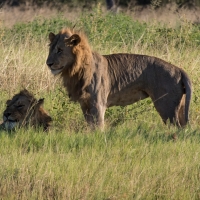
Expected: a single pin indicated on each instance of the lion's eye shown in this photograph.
(59, 50)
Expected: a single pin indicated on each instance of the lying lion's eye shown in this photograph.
(59, 50)
(20, 106)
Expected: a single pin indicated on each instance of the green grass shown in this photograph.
(136, 157)
(123, 163)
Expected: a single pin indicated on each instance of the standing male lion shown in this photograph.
(100, 81)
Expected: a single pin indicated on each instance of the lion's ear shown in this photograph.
(51, 36)
(73, 40)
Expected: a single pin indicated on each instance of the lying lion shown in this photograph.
(23, 109)
(100, 81)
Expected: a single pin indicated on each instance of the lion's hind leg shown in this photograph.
(168, 109)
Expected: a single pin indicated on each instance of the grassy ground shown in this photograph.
(136, 157)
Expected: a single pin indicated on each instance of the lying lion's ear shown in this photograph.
(51, 36)
(73, 40)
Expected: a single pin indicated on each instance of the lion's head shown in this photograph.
(68, 51)
(24, 109)
(71, 56)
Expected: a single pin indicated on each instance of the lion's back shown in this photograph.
(133, 77)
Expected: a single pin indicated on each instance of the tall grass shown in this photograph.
(136, 157)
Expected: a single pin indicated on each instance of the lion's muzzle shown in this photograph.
(49, 64)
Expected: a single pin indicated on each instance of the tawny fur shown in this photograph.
(100, 81)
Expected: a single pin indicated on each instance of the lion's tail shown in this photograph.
(188, 91)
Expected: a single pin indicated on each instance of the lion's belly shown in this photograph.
(125, 97)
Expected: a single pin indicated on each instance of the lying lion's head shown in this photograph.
(24, 109)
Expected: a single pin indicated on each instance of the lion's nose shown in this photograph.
(7, 114)
(49, 64)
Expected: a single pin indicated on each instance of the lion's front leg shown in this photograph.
(94, 114)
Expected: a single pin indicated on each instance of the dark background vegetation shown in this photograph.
(180, 3)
